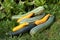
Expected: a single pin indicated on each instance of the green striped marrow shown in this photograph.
(37, 11)
(16, 17)
(41, 26)
(33, 18)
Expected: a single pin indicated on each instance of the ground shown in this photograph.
(6, 24)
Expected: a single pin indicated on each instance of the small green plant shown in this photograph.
(39, 2)
(7, 5)
(2, 15)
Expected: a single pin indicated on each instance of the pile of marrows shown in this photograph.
(32, 22)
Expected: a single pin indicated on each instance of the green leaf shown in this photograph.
(2, 15)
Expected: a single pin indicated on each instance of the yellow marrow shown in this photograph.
(20, 26)
(26, 16)
(42, 20)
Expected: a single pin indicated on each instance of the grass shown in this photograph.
(6, 24)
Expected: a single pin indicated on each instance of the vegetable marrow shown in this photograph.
(42, 26)
(36, 11)
(44, 19)
(27, 16)
(23, 30)
(20, 26)
(29, 20)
